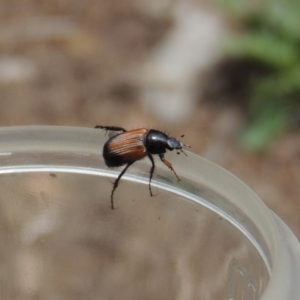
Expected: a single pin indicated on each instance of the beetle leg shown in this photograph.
(116, 183)
(151, 172)
(168, 164)
(111, 128)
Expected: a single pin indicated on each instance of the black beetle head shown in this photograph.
(173, 143)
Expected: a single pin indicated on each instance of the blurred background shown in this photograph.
(224, 73)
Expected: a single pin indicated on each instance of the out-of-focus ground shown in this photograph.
(79, 63)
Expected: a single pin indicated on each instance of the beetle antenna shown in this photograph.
(184, 145)
(183, 152)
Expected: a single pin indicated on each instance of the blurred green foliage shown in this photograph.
(270, 36)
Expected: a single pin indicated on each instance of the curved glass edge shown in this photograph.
(51, 138)
(87, 141)
(284, 283)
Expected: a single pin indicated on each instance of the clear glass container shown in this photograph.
(207, 236)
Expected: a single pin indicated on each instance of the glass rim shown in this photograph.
(83, 141)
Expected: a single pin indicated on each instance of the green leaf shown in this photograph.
(264, 128)
(263, 48)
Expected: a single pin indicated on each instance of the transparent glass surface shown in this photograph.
(207, 236)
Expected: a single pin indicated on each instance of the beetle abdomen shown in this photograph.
(125, 147)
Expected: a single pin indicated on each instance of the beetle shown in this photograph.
(126, 147)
